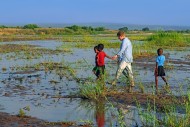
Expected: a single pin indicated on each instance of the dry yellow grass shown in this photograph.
(15, 31)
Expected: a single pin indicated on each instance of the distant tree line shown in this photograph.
(35, 29)
(28, 26)
(146, 29)
(75, 29)
(2, 26)
(88, 28)
(31, 26)
(125, 29)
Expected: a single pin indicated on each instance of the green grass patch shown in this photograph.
(92, 91)
(167, 39)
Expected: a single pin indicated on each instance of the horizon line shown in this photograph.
(75, 23)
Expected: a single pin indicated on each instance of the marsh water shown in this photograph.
(23, 86)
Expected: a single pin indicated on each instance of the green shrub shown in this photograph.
(30, 26)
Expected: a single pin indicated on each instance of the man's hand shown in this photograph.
(114, 57)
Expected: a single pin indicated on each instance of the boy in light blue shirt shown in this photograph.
(159, 69)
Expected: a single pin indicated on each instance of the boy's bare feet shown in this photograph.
(130, 90)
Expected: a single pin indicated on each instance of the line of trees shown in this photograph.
(146, 29)
(85, 29)
(125, 29)
(88, 28)
(32, 29)
(28, 26)
(74, 27)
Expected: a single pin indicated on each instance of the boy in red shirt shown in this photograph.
(100, 60)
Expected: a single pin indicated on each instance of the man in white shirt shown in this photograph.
(125, 58)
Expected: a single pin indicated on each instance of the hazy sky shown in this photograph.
(145, 12)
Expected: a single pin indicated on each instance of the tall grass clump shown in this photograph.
(175, 119)
(142, 50)
(169, 114)
(92, 91)
(91, 41)
(171, 39)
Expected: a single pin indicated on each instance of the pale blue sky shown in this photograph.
(145, 12)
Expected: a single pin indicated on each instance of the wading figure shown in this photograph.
(159, 69)
(100, 61)
(95, 70)
(125, 58)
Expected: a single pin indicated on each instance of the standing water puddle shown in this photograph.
(23, 86)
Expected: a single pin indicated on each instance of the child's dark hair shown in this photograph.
(96, 47)
(159, 51)
(100, 47)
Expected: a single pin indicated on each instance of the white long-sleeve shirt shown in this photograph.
(125, 52)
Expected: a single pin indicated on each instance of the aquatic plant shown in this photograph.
(141, 87)
(92, 91)
(138, 37)
(87, 122)
(142, 50)
(166, 113)
(121, 117)
(27, 108)
(21, 113)
(167, 39)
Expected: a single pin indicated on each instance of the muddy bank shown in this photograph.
(135, 98)
(7, 120)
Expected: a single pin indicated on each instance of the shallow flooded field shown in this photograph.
(40, 77)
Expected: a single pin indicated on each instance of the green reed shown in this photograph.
(168, 110)
(91, 91)
(167, 39)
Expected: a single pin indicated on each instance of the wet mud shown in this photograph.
(7, 120)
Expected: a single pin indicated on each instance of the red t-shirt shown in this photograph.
(101, 56)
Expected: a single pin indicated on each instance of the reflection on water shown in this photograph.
(100, 113)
